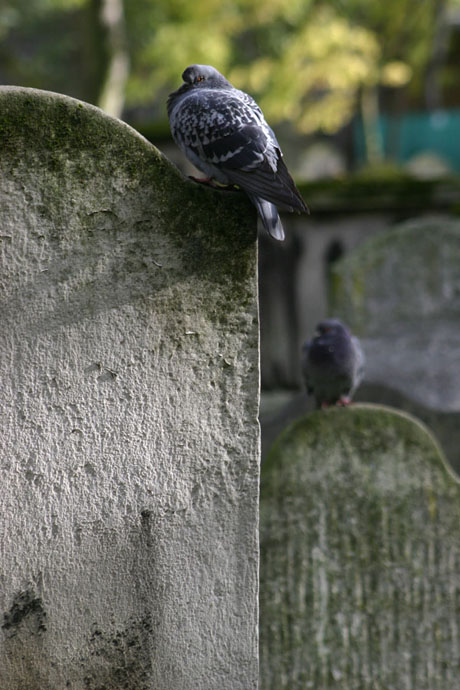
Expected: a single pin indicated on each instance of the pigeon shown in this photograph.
(223, 132)
(332, 364)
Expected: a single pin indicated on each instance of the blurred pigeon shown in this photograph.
(223, 132)
(332, 364)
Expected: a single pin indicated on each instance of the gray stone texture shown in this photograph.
(129, 451)
(360, 555)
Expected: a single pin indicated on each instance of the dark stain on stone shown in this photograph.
(121, 659)
(146, 526)
(25, 605)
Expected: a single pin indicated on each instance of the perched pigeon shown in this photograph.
(222, 131)
(332, 364)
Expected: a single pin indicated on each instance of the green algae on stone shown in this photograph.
(214, 231)
(360, 550)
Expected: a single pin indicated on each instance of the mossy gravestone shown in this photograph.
(129, 374)
(360, 556)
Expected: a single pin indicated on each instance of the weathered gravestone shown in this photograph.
(360, 556)
(129, 435)
(400, 291)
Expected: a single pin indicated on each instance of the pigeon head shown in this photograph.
(198, 76)
(203, 75)
(331, 327)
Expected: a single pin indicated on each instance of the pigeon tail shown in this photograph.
(268, 214)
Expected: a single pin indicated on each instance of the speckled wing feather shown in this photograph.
(228, 132)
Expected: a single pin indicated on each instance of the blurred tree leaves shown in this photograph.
(51, 44)
(305, 61)
(313, 80)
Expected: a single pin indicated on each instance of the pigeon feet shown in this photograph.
(203, 180)
(211, 183)
(341, 402)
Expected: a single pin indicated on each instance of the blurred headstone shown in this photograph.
(427, 165)
(400, 292)
(360, 554)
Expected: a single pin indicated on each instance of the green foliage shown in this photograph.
(314, 78)
(305, 61)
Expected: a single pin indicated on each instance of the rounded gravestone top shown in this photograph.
(320, 437)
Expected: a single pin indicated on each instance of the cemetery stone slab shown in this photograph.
(129, 452)
(360, 556)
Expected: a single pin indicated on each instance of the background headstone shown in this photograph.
(360, 555)
(129, 378)
(400, 292)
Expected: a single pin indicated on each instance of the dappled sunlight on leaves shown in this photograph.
(304, 61)
(396, 73)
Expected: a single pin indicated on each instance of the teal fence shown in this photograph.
(404, 137)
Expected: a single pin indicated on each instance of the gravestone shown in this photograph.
(360, 556)
(400, 293)
(129, 451)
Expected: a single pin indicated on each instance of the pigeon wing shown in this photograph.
(249, 158)
(243, 149)
(227, 130)
(275, 186)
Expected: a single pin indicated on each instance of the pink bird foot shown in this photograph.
(203, 180)
(212, 183)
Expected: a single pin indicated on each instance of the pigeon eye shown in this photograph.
(200, 78)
